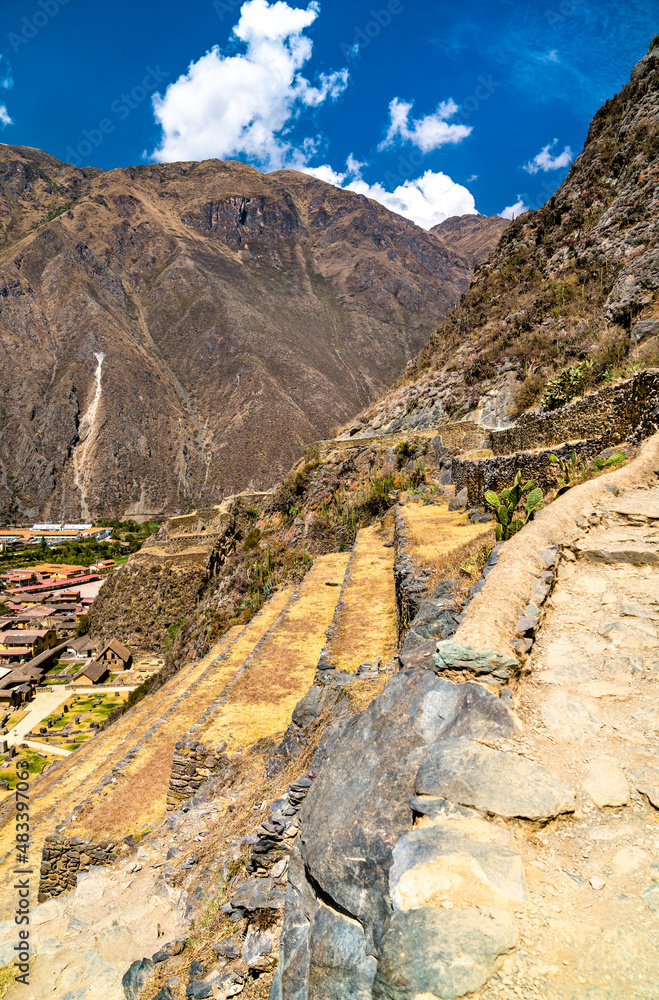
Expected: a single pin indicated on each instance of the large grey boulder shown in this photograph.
(441, 953)
(358, 806)
(471, 774)
(460, 500)
(337, 899)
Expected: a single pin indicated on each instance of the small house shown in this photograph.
(115, 656)
(81, 647)
(92, 673)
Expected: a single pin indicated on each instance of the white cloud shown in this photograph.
(4, 116)
(427, 200)
(426, 133)
(512, 211)
(225, 106)
(545, 161)
(474, 177)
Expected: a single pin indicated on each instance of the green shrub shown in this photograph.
(251, 539)
(404, 451)
(571, 472)
(567, 385)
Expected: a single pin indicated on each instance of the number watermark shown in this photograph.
(22, 871)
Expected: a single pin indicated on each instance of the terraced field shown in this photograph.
(259, 702)
(139, 745)
(365, 620)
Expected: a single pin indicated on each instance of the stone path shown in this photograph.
(589, 710)
(41, 706)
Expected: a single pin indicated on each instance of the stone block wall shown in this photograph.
(192, 764)
(63, 858)
(628, 411)
(499, 472)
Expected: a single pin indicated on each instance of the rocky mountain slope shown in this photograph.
(171, 333)
(474, 236)
(573, 285)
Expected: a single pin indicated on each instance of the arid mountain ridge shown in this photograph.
(575, 282)
(174, 333)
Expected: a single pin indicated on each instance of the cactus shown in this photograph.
(571, 472)
(507, 506)
(607, 463)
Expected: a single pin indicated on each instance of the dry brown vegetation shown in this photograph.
(366, 619)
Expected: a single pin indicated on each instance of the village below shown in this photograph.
(48, 662)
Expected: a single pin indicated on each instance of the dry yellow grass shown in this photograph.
(441, 540)
(139, 798)
(73, 779)
(366, 619)
(260, 701)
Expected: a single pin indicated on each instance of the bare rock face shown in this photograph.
(561, 285)
(178, 332)
(472, 235)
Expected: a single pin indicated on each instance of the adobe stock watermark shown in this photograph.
(224, 7)
(41, 16)
(408, 166)
(120, 109)
(379, 21)
(565, 11)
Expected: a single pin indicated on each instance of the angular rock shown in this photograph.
(258, 894)
(468, 710)
(606, 783)
(460, 500)
(134, 979)
(437, 865)
(168, 950)
(452, 655)
(441, 953)
(471, 774)
(418, 657)
(549, 556)
(339, 966)
(643, 329)
(645, 780)
(228, 948)
(539, 591)
(257, 949)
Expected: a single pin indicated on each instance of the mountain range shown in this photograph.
(173, 333)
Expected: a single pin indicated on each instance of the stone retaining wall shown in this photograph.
(497, 473)
(63, 858)
(409, 581)
(192, 764)
(628, 411)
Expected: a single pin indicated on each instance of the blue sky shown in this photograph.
(433, 108)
